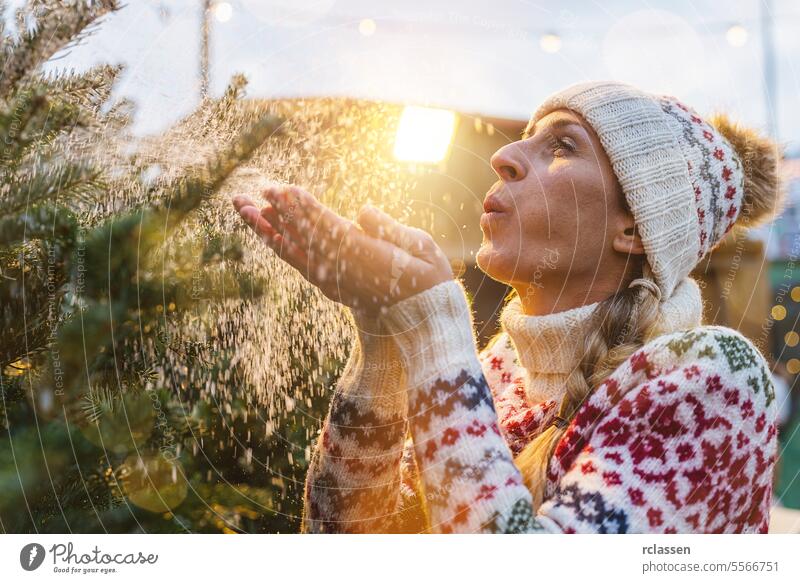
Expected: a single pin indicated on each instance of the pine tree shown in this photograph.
(96, 298)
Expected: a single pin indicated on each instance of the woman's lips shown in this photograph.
(491, 203)
(493, 210)
(489, 219)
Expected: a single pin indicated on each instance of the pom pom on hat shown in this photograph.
(764, 195)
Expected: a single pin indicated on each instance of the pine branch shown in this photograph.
(11, 393)
(126, 247)
(3, 37)
(212, 114)
(91, 89)
(32, 284)
(69, 184)
(197, 189)
(47, 27)
(3, 10)
(33, 120)
(39, 222)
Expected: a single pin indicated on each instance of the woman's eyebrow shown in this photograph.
(558, 123)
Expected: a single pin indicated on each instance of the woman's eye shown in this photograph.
(561, 147)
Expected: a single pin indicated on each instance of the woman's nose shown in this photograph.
(505, 162)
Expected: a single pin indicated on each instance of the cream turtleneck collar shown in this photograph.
(548, 346)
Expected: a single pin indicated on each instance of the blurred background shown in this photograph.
(460, 79)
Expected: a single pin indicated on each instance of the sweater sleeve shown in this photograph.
(354, 478)
(467, 472)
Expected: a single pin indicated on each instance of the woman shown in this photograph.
(603, 405)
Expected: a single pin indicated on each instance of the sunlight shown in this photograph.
(424, 134)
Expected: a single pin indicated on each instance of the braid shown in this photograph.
(621, 324)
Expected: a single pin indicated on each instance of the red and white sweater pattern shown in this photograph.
(680, 438)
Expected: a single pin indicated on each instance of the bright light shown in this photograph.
(367, 27)
(223, 11)
(424, 134)
(737, 35)
(550, 43)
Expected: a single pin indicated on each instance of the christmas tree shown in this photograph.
(99, 299)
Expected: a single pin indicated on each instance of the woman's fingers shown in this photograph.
(283, 246)
(287, 200)
(243, 200)
(354, 261)
(310, 215)
(344, 263)
(287, 229)
(381, 225)
(267, 223)
(368, 263)
(377, 223)
(252, 217)
(319, 229)
(282, 222)
(320, 239)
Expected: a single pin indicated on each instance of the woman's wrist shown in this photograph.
(433, 330)
(374, 337)
(374, 372)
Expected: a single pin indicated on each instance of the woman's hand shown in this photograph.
(366, 266)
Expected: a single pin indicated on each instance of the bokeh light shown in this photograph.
(737, 35)
(550, 43)
(778, 312)
(367, 27)
(223, 11)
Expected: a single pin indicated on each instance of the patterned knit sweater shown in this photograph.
(422, 430)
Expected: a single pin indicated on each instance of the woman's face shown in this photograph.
(557, 210)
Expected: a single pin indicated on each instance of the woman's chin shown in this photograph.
(490, 262)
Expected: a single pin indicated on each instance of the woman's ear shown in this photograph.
(628, 241)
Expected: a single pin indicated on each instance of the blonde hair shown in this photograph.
(620, 325)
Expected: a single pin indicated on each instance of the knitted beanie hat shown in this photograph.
(686, 180)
